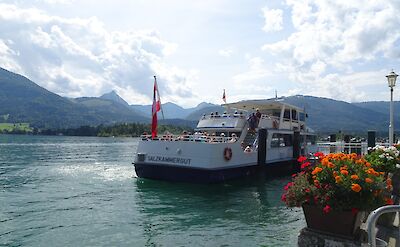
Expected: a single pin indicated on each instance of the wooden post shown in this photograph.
(262, 146)
(296, 151)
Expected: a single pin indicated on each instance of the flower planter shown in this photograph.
(342, 223)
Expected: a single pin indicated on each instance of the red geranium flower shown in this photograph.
(301, 159)
(319, 154)
(304, 165)
(327, 209)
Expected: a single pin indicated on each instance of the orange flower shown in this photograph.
(335, 173)
(316, 170)
(356, 187)
(331, 165)
(372, 172)
(344, 172)
(367, 164)
(338, 179)
(354, 177)
(359, 162)
(324, 161)
(369, 180)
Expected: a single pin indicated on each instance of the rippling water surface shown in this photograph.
(82, 191)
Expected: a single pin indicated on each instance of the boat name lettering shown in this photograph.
(169, 159)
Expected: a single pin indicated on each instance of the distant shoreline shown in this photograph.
(117, 130)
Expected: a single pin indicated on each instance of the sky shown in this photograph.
(336, 49)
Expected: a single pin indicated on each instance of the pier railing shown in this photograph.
(345, 147)
(373, 218)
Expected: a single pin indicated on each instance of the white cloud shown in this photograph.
(226, 52)
(80, 57)
(56, 1)
(257, 70)
(6, 56)
(273, 19)
(331, 40)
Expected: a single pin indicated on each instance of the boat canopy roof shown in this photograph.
(262, 104)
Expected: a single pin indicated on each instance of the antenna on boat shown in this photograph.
(276, 94)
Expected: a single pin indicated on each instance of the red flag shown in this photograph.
(224, 97)
(156, 107)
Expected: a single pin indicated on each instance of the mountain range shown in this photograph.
(22, 100)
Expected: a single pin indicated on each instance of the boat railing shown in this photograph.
(269, 117)
(224, 115)
(191, 138)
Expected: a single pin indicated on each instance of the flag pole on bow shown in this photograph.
(155, 108)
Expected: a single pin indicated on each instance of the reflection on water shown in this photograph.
(74, 191)
(237, 213)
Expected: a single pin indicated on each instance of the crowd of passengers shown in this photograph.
(253, 120)
(201, 137)
(197, 136)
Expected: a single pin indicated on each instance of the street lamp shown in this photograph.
(391, 77)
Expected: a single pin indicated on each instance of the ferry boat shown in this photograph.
(250, 137)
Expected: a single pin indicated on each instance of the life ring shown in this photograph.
(227, 154)
(275, 124)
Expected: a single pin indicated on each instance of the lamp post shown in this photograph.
(391, 77)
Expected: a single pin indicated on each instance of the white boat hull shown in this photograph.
(201, 162)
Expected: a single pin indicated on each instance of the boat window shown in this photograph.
(286, 114)
(275, 141)
(281, 140)
(294, 114)
(276, 113)
(288, 140)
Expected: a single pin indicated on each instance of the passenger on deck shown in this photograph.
(225, 114)
(184, 136)
(222, 139)
(252, 119)
(236, 114)
(204, 136)
(144, 136)
(212, 115)
(234, 138)
(258, 114)
(216, 114)
(212, 138)
(197, 136)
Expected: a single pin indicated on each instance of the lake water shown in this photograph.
(83, 191)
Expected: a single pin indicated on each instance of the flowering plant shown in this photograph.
(384, 159)
(339, 182)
